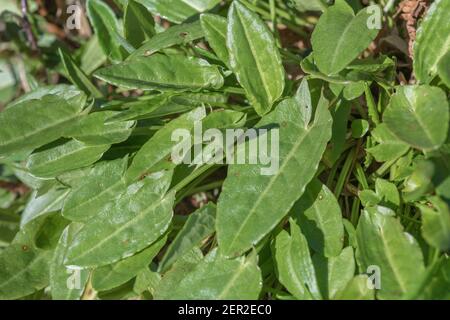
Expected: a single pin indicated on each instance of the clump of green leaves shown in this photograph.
(92, 205)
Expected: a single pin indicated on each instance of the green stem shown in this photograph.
(344, 173)
(361, 176)
(291, 56)
(431, 270)
(273, 18)
(413, 220)
(194, 175)
(266, 15)
(385, 167)
(234, 90)
(355, 211)
(333, 172)
(317, 75)
(290, 17)
(371, 105)
(206, 187)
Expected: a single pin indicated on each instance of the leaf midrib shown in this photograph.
(292, 269)
(137, 217)
(99, 195)
(254, 56)
(44, 164)
(412, 111)
(268, 186)
(37, 131)
(340, 43)
(235, 277)
(40, 256)
(388, 255)
(50, 204)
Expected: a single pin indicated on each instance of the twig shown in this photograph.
(27, 25)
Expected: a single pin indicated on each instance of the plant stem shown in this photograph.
(27, 25)
(344, 173)
(414, 294)
(206, 187)
(371, 105)
(234, 90)
(290, 17)
(360, 176)
(355, 211)
(385, 167)
(293, 26)
(194, 175)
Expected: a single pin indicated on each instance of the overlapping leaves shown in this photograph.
(357, 182)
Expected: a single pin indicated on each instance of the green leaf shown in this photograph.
(254, 58)
(309, 66)
(77, 76)
(351, 91)
(39, 205)
(106, 27)
(215, 28)
(146, 280)
(389, 147)
(225, 119)
(356, 289)
(127, 225)
(48, 236)
(146, 159)
(245, 217)
(65, 283)
(175, 35)
(333, 274)
(420, 181)
(340, 36)
(369, 198)
(444, 69)
(199, 225)
(217, 278)
(437, 287)
(340, 114)
(144, 109)
(388, 193)
(309, 5)
(91, 129)
(114, 275)
(432, 42)
(64, 157)
(9, 226)
(178, 10)
(101, 186)
(164, 73)
(294, 264)
(164, 104)
(138, 23)
(320, 218)
(441, 176)
(42, 232)
(171, 279)
(24, 271)
(419, 116)
(436, 223)
(383, 243)
(93, 56)
(34, 123)
(372, 65)
(359, 128)
(66, 92)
